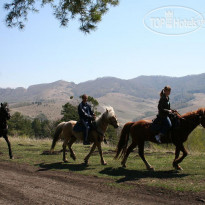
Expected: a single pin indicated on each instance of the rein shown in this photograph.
(189, 121)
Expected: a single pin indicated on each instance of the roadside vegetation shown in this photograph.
(36, 153)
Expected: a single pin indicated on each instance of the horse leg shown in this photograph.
(88, 156)
(64, 150)
(70, 143)
(141, 154)
(103, 162)
(9, 146)
(130, 149)
(185, 153)
(177, 152)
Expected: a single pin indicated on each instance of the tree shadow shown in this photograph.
(62, 166)
(134, 175)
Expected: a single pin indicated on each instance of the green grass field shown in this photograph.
(32, 152)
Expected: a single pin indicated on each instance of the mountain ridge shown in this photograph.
(132, 99)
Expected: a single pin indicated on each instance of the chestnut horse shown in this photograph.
(65, 131)
(4, 116)
(140, 132)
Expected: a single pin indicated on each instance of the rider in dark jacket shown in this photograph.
(86, 116)
(164, 109)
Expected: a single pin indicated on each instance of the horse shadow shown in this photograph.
(134, 175)
(63, 166)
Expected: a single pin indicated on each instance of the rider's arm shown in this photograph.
(82, 112)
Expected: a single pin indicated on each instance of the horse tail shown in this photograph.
(57, 134)
(124, 137)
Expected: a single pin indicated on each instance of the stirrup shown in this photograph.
(157, 137)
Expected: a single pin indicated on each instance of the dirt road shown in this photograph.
(23, 184)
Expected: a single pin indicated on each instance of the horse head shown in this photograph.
(111, 117)
(201, 113)
(4, 110)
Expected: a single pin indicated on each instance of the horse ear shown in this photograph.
(106, 110)
(1, 105)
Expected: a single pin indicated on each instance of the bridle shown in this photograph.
(201, 116)
(112, 121)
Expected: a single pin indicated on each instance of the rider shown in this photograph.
(86, 116)
(164, 112)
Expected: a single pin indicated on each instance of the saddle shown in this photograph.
(157, 123)
(78, 127)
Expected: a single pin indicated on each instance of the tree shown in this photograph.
(89, 12)
(69, 112)
(94, 103)
(19, 125)
(37, 128)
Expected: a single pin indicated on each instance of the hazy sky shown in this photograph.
(121, 47)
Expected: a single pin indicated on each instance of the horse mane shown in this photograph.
(201, 111)
(194, 113)
(110, 110)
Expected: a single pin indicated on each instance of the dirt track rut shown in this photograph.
(23, 184)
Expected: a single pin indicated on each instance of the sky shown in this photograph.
(122, 47)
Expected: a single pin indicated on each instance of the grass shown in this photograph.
(30, 151)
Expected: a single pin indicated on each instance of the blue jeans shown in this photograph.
(86, 128)
(166, 125)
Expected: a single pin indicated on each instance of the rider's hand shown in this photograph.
(170, 111)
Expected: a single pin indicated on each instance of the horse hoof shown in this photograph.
(51, 151)
(65, 161)
(123, 166)
(12, 157)
(73, 157)
(179, 168)
(104, 163)
(150, 168)
(85, 162)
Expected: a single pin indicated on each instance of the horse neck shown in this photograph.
(102, 123)
(191, 122)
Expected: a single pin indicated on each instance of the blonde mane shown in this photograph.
(110, 113)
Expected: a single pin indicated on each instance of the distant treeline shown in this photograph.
(20, 125)
(41, 127)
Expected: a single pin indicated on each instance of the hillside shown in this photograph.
(132, 99)
(59, 90)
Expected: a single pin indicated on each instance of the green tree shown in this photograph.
(111, 135)
(89, 12)
(48, 128)
(20, 125)
(36, 126)
(69, 112)
(94, 103)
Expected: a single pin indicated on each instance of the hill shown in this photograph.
(132, 99)
(59, 90)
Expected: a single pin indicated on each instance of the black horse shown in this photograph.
(4, 116)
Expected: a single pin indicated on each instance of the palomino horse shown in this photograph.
(140, 132)
(65, 131)
(4, 116)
